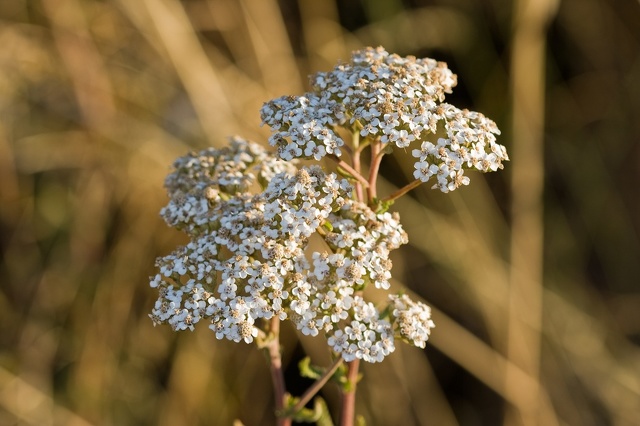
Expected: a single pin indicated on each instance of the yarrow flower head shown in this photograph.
(270, 241)
(397, 101)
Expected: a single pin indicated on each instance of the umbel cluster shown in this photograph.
(271, 238)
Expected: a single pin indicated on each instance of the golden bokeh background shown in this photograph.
(533, 273)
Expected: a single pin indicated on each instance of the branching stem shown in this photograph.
(315, 388)
(400, 192)
(349, 169)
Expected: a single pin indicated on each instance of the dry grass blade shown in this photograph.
(271, 46)
(526, 275)
(200, 79)
(32, 406)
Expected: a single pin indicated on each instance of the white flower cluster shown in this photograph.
(392, 99)
(203, 182)
(413, 319)
(304, 126)
(470, 144)
(249, 257)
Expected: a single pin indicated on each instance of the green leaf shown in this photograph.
(327, 225)
(386, 313)
(340, 376)
(382, 206)
(308, 370)
(319, 414)
(264, 339)
(321, 408)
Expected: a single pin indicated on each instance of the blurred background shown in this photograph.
(533, 272)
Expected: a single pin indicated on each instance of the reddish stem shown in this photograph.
(400, 192)
(349, 398)
(347, 415)
(356, 166)
(376, 158)
(277, 375)
(349, 169)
